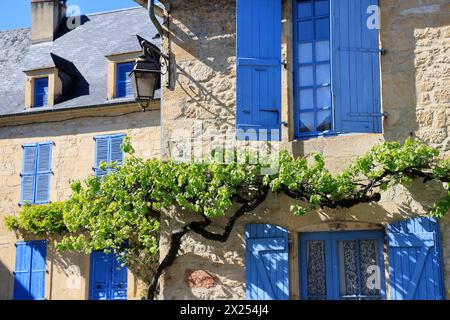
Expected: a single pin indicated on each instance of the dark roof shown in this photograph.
(81, 51)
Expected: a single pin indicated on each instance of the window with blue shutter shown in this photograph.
(314, 113)
(36, 172)
(124, 87)
(342, 266)
(40, 92)
(29, 274)
(415, 260)
(107, 149)
(266, 262)
(337, 68)
(258, 92)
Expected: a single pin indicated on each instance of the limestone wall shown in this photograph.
(72, 158)
(415, 94)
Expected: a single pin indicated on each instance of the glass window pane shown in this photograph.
(324, 120)
(306, 99)
(323, 50)
(305, 30)
(305, 53)
(304, 9)
(323, 28)
(306, 76)
(321, 8)
(307, 122)
(323, 74)
(348, 272)
(324, 97)
(369, 267)
(316, 271)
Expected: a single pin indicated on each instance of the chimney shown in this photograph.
(46, 17)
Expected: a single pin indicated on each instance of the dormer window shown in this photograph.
(120, 66)
(43, 88)
(48, 86)
(124, 88)
(40, 92)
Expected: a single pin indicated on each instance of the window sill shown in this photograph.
(123, 99)
(329, 135)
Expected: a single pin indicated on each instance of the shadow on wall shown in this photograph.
(133, 118)
(413, 73)
(202, 38)
(6, 282)
(413, 70)
(206, 33)
(194, 277)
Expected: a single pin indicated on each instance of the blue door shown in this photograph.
(29, 274)
(342, 266)
(108, 280)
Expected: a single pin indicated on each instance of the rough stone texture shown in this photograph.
(73, 155)
(204, 96)
(416, 36)
(199, 279)
(415, 82)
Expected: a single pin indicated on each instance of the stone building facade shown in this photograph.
(88, 107)
(202, 102)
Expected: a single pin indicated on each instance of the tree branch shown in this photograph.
(246, 208)
(199, 227)
(175, 244)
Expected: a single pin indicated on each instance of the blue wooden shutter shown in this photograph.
(119, 279)
(108, 280)
(22, 271)
(99, 275)
(116, 151)
(43, 173)
(101, 154)
(37, 282)
(29, 274)
(40, 92)
(124, 87)
(258, 102)
(415, 261)
(267, 266)
(28, 173)
(356, 67)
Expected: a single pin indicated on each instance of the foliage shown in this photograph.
(40, 220)
(384, 166)
(121, 212)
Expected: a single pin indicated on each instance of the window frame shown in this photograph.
(95, 168)
(35, 172)
(332, 258)
(32, 244)
(117, 83)
(35, 93)
(296, 82)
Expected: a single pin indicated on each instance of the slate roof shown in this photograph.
(82, 50)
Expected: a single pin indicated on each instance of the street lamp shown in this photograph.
(146, 74)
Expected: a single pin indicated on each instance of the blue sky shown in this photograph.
(16, 13)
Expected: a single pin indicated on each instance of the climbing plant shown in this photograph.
(121, 212)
